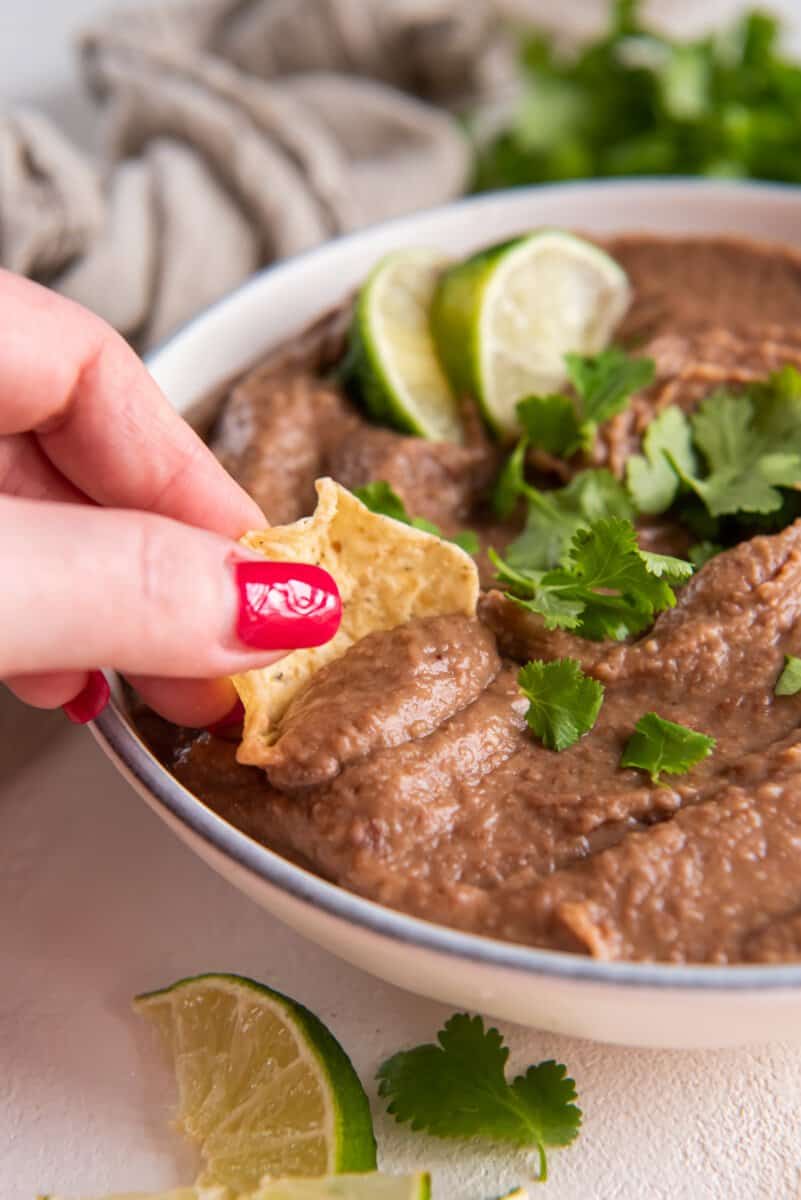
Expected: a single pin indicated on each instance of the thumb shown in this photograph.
(86, 587)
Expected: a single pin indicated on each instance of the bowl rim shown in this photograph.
(118, 737)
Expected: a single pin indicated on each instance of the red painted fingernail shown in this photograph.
(234, 717)
(89, 703)
(286, 606)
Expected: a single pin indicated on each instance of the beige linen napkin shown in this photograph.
(234, 133)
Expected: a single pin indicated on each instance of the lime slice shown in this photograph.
(371, 1186)
(391, 357)
(504, 319)
(263, 1087)
(349, 1187)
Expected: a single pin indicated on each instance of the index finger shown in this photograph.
(100, 418)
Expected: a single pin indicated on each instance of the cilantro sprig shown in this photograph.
(457, 1088)
(553, 517)
(604, 383)
(605, 585)
(380, 498)
(563, 702)
(736, 452)
(750, 444)
(659, 745)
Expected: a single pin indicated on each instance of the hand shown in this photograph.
(118, 528)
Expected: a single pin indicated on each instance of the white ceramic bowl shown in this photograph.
(630, 1003)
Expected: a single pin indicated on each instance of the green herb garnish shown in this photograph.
(554, 516)
(457, 1088)
(658, 745)
(564, 702)
(789, 682)
(652, 481)
(380, 498)
(604, 384)
(605, 587)
(700, 554)
(750, 444)
(551, 424)
(511, 482)
(635, 102)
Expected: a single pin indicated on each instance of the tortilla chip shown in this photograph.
(387, 573)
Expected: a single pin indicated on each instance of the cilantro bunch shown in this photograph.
(635, 102)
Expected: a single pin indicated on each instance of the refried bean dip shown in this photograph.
(406, 771)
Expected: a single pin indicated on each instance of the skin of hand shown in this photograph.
(119, 530)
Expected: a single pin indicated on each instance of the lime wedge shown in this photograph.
(263, 1087)
(391, 358)
(371, 1186)
(504, 319)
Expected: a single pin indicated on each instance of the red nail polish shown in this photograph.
(286, 606)
(89, 703)
(231, 719)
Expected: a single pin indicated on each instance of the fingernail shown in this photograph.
(286, 606)
(89, 703)
(234, 717)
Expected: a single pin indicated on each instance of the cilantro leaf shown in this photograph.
(651, 479)
(605, 382)
(457, 1088)
(551, 424)
(789, 682)
(467, 540)
(658, 745)
(605, 587)
(751, 446)
(563, 702)
(673, 570)
(379, 497)
(553, 517)
(548, 1093)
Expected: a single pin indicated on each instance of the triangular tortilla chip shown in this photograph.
(387, 573)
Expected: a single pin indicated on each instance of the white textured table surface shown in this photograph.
(98, 901)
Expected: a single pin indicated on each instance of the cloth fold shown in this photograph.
(235, 133)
